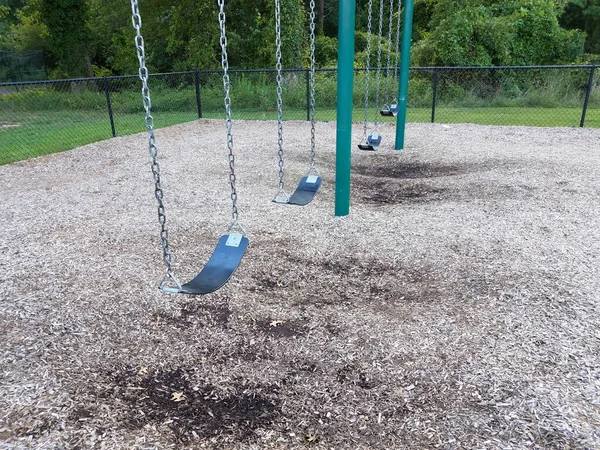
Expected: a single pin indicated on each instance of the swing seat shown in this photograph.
(306, 190)
(389, 111)
(224, 261)
(373, 142)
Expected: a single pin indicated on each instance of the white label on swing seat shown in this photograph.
(234, 240)
(312, 179)
(374, 136)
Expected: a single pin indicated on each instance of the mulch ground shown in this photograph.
(457, 306)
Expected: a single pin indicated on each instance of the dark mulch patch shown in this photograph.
(191, 408)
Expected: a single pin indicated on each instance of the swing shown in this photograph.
(372, 141)
(309, 185)
(391, 109)
(231, 247)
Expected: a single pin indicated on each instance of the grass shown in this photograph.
(43, 132)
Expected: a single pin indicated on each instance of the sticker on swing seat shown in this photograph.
(305, 191)
(219, 268)
(389, 111)
(373, 142)
(234, 240)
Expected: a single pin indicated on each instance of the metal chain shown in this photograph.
(312, 87)
(397, 47)
(279, 92)
(368, 62)
(228, 124)
(149, 121)
(378, 82)
(389, 55)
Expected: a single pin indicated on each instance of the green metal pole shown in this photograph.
(404, 65)
(345, 83)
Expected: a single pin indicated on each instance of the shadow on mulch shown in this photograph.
(347, 281)
(195, 314)
(381, 168)
(193, 409)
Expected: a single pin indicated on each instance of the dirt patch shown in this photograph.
(282, 328)
(194, 314)
(381, 192)
(191, 408)
(411, 192)
(381, 168)
(347, 280)
(387, 167)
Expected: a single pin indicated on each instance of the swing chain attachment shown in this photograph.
(397, 49)
(281, 196)
(378, 76)
(312, 88)
(149, 121)
(228, 122)
(389, 56)
(368, 61)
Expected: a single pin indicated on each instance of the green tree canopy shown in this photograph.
(584, 15)
(493, 32)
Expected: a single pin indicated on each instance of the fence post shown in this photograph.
(434, 100)
(307, 73)
(588, 91)
(198, 100)
(109, 106)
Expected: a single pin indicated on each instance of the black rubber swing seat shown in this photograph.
(367, 147)
(372, 143)
(389, 111)
(306, 190)
(222, 264)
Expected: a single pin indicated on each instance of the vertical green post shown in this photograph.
(404, 65)
(345, 84)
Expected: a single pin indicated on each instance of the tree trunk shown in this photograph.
(88, 65)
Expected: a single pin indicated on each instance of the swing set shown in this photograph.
(373, 141)
(232, 245)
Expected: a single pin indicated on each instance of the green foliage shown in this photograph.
(584, 15)
(28, 31)
(292, 32)
(493, 32)
(325, 51)
(85, 37)
(70, 37)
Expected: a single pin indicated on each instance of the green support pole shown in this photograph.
(345, 83)
(404, 65)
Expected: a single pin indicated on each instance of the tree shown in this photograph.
(69, 36)
(584, 15)
(27, 31)
(496, 32)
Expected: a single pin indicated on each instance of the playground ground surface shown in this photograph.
(457, 306)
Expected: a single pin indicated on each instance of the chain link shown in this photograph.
(378, 77)
(228, 123)
(149, 121)
(368, 62)
(279, 92)
(312, 87)
(397, 49)
(389, 56)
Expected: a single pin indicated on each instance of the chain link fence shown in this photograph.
(25, 66)
(41, 117)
